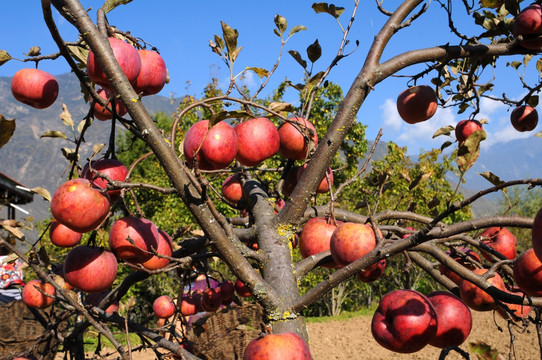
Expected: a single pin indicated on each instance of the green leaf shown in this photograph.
(111, 4)
(314, 51)
(69, 154)
(483, 351)
(538, 134)
(7, 128)
(4, 57)
(445, 130)
(492, 178)
(297, 29)
(316, 79)
(230, 36)
(54, 134)
(297, 56)
(445, 145)
(512, 6)
(533, 100)
(469, 150)
(328, 8)
(96, 149)
(261, 72)
(281, 23)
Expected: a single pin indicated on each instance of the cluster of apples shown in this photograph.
(406, 321)
(347, 242)
(145, 69)
(81, 205)
(215, 146)
(211, 298)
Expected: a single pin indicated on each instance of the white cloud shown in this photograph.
(415, 136)
(390, 116)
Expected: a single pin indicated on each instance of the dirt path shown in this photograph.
(352, 340)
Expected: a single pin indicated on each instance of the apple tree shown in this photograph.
(305, 183)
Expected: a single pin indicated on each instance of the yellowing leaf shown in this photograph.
(469, 150)
(66, 117)
(43, 192)
(7, 128)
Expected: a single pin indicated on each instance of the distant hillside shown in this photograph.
(39, 162)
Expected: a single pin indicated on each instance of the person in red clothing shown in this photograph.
(11, 277)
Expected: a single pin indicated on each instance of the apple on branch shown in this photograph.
(417, 104)
(34, 87)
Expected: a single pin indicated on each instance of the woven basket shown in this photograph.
(22, 333)
(225, 334)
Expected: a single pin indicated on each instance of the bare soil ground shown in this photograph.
(351, 339)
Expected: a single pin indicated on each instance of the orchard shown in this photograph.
(245, 199)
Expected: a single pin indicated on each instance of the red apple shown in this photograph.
(405, 321)
(96, 298)
(324, 185)
(315, 238)
(258, 140)
(241, 289)
(153, 74)
(465, 128)
(163, 307)
(501, 240)
(90, 269)
(520, 311)
(34, 87)
(524, 118)
(211, 299)
(164, 248)
(227, 290)
(78, 205)
(127, 57)
(417, 104)
(528, 23)
(454, 319)
(277, 347)
(476, 298)
(372, 272)
(527, 272)
(232, 189)
(62, 235)
(213, 149)
(536, 234)
(101, 112)
(131, 239)
(464, 261)
(351, 241)
(190, 304)
(294, 144)
(35, 294)
(113, 168)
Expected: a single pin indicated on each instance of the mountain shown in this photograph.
(39, 162)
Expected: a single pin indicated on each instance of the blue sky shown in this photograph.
(181, 31)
